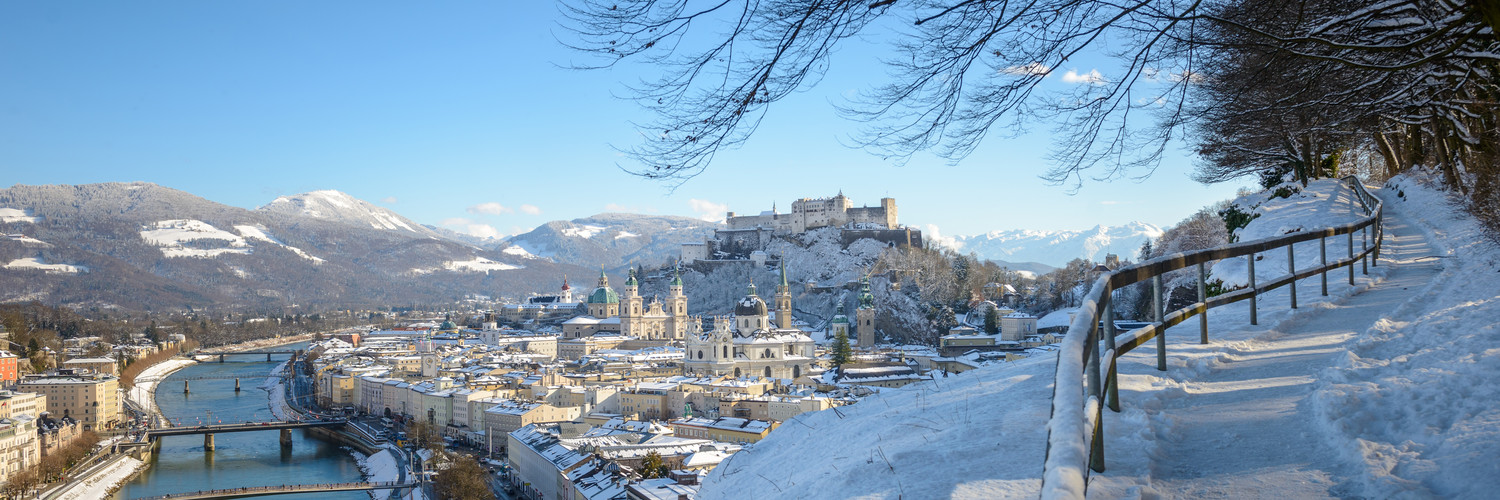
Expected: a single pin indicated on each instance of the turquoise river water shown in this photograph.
(238, 459)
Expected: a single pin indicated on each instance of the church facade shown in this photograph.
(749, 344)
(631, 315)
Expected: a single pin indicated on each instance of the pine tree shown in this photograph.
(992, 321)
(651, 466)
(841, 350)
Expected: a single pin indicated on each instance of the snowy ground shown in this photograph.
(145, 383)
(1382, 389)
(100, 484)
(276, 394)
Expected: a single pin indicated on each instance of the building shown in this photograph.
(9, 369)
(864, 315)
(106, 366)
(508, 416)
(19, 445)
(725, 429)
(21, 403)
(93, 400)
(748, 345)
(631, 315)
(748, 234)
(875, 374)
(813, 213)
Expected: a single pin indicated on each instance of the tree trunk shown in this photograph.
(1415, 153)
(1392, 162)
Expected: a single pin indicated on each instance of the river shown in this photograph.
(238, 459)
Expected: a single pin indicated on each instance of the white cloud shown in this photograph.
(1092, 77)
(482, 231)
(708, 210)
(490, 208)
(1027, 69)
(388, 200)
(932, 237)
(529, 209)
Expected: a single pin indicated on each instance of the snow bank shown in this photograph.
(1323, 203)
(1415, 399)
(257, 233)
(276, 394)
(16, 215)
(104, 481)
(173, 236)
(145, 383)
(38, 263)
(27, 240)
(978, 434)
(478, 264)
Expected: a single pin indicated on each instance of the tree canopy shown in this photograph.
(1253, 85)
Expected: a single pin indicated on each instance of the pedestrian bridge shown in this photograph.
(255, 491)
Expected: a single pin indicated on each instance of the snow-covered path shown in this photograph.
(1243, 419)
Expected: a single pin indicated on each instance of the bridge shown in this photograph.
(223, 354)
(255, 491)
(208, 431)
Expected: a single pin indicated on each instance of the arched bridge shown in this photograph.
(255, 491)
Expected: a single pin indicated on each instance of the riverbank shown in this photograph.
(103, 481)
(142, 392)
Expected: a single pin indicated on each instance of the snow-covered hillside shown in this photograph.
(1382, 389)
(611, 240)
(1056, 248)
(337, 206)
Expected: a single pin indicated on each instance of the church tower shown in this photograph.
(840, 322)
(864, 316)
(676, 308)
(604, 302)
(783, 301)
(567, 291)
(750, 314)
(631, 307)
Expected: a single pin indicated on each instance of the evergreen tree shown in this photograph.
(841, 350)
(992, 321)
(652, 467)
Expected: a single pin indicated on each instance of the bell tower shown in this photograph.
(783, 301)
(864, 316)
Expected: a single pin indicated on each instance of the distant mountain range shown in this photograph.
(611, 240)
(1056, 248)
(141, 246)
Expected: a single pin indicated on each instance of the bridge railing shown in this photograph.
(1086, 381)
(291, 488)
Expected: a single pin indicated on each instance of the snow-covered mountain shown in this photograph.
(339, 207)
(1056, 248)
(611, 240)
(143, 246)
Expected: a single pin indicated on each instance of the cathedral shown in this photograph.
(630, 315)
(749, 344)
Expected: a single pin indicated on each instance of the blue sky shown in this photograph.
(460, 114)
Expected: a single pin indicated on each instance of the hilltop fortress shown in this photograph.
(748, 234)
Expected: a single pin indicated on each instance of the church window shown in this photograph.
(768, 372)
(796, 371)
(700, 354)
(736, 372)
(726, 351)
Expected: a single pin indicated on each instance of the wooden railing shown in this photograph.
(1086, 382)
